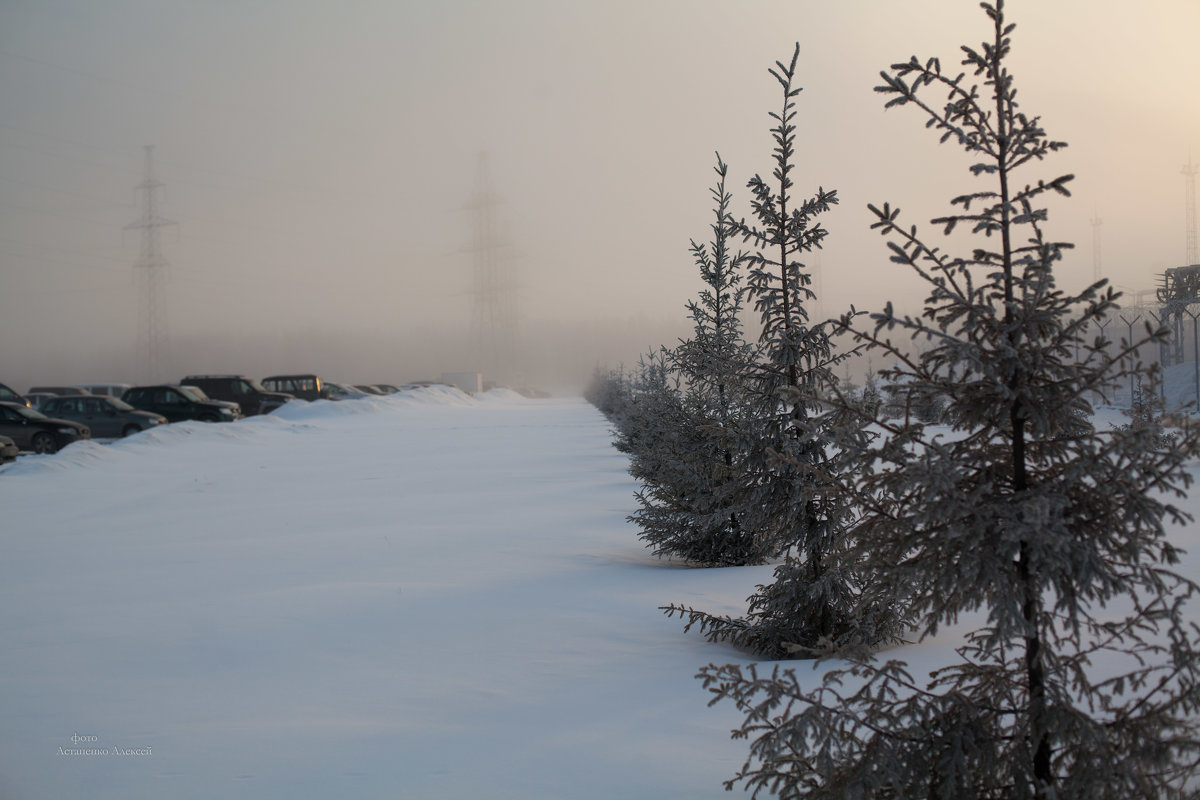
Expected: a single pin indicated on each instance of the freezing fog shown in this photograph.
(386, 191)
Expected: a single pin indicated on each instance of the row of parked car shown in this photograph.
(47, 418)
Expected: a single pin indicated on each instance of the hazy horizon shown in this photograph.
(319, 164)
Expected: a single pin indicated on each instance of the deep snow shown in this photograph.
(426, 596)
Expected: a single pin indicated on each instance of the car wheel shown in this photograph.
(43, 443)
(130, 430)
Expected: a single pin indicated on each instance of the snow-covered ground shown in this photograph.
(423, 596)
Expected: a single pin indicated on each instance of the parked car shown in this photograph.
(306, 387)
(107, 416)
(198, 394)
(341, 391)
(7, 395)
(247, 393)
(177, 403)
(59, 390)
(387, 388)
(8, 450)
(110, 389)
(368, 388)
(33, 430)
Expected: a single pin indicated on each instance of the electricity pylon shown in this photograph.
(149, 275)
(493, 316)
(1189, 174)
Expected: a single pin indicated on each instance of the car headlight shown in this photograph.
(225, 412)
(69, 431)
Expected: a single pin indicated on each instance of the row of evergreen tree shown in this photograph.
(1083, 680)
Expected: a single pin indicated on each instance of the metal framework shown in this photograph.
(149, 275)
(1179, 290)
(1189, 174)
(493, 314)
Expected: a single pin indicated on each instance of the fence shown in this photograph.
(1178, 356)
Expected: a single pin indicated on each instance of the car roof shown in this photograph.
(158, 386)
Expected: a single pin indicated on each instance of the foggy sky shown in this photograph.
(319, 159)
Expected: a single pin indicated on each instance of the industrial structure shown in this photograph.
(1189, 174)
(150, 276)
(1180, 287)
(493, 331)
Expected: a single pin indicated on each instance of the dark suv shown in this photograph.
(177, 403)
(247, 393)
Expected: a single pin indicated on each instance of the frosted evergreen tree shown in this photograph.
(786, 484)
(1082, 680)
(608, 391)
(686, 507)
(647, 425)
(870, 398)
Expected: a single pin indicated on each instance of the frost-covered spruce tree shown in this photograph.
(686, 505)
(785, 481)
(650, 407)
(1081, 679)
(608, 391)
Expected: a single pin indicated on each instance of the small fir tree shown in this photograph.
(1083, 681)
(647, 425)
(785, 482)
(870, 399)
(608, 392)
(686, 509)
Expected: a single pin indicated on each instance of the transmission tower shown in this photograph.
(493, 318)
(149, 276)
(1189, 174)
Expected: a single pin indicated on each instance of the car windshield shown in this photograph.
(255, 385)
(28, 412)
(194, 393)
(119, 405)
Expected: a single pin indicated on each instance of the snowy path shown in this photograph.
(423, 597)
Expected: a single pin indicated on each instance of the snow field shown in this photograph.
(424, 596)
(428, 595)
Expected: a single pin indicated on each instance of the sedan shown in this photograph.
(108, 417)
(33, 430)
